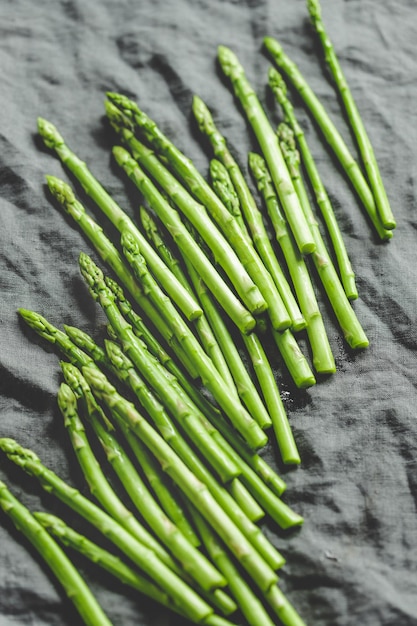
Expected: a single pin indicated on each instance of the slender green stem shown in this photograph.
(330, 132)
(269, 146)
(74, 585)
(116, 215)
(279, 89)
(355, 119)
(351, 328)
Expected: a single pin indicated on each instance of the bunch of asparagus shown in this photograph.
(195, 295)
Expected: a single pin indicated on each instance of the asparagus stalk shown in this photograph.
(194, 211)
(190, 559)
(194, 489)
(279, 90)
(330, 132)
(240, 418)
(205, 194)
(109, 253)
(116, 215)
(226, 298)
(202, 325)
(269, 145)
(74, 585)
(276, 409)
(351, 328)
(355, 119)
(97, 482)
(251, 212)
(195, 607)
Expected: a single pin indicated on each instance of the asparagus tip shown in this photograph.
(49, 133)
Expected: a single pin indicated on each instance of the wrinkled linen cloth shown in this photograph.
(355, 559)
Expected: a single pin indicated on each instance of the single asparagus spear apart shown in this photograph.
(116, 215)
(351, 328)
(196, 608)
(355, 119)
(331, 134)
(206, 195)
(74, 585)
(279, 89)
(269, 145)
(250, 210)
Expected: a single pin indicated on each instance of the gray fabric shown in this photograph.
(354, 561)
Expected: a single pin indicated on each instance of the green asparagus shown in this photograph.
(251, 212)
(279, 90)
(269, 145)
(70, 579)
(116, 215)
(355, 119)
(351, 328)
(331, 134)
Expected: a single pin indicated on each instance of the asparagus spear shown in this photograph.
(356, 122)
(226, 298)
(331, 134)
(264, 133)
(74, 585)
(194, 211)
(251, 212)
(202, 190)
(194, 489)
(279, 89)
(109, 253)
(240, 418)
(202, 325)
(98, 484)
(116, 215)
(195, 607)
(352, 330)
(191, 560)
